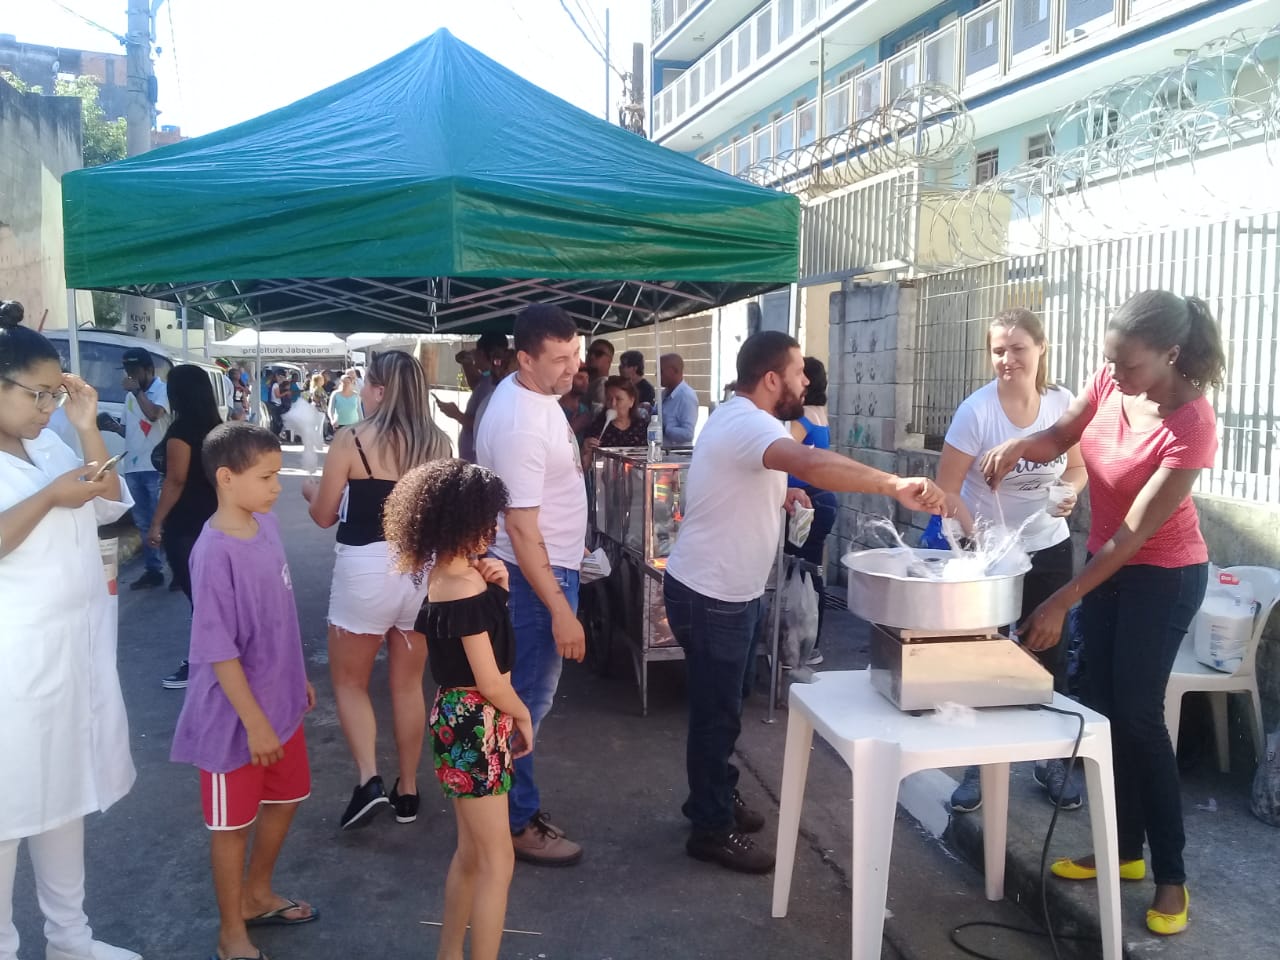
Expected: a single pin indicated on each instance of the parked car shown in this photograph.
(101, 355)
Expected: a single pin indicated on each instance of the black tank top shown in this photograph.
(365, 500)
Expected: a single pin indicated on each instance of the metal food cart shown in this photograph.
(636, 509)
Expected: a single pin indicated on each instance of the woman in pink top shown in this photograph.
(1146, 431)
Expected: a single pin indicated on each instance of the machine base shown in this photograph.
(919, 672)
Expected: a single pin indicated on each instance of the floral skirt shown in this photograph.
(471, 744)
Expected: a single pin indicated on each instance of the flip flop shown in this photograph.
(277, 918)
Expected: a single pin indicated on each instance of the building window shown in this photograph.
(910, 41)
(1039, 148)
(986, 165)
(764, 32)
(1103, 125)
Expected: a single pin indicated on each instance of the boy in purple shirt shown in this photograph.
(241, 722)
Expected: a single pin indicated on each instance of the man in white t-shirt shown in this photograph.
(146, 421)
(717, 571)
(524, 438)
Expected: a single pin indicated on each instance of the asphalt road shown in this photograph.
(613, 779)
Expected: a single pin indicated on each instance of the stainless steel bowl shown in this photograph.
(881, 591)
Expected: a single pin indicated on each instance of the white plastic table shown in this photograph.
(882, 745)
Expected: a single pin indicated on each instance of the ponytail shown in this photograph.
(1201, 359)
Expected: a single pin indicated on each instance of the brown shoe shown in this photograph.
(542, 843)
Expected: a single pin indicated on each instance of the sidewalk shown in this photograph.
(615, 781)
(1232, 859)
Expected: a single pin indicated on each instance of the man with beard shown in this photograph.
(717, 571)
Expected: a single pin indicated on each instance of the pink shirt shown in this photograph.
(1120, 461)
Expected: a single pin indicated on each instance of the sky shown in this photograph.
(225, 61)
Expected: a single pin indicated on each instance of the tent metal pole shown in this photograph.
(182, 319)
(257, 373)
(73, 332)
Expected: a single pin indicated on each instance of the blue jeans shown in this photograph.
(1133, 625)
(718, 639)
(534, 676)
(144, 487)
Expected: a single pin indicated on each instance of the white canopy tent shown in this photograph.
(248, 344)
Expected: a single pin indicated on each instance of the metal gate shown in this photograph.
(1234, 266)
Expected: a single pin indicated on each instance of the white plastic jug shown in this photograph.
(1224, 622)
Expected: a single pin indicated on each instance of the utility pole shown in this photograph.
(608, 68)
(637, 89)
(139, 120)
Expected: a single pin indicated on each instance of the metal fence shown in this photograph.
(1233, 265)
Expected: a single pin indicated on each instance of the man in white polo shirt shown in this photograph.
(717, 571)
(525, 438)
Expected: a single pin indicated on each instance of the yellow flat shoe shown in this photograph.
(1068, 869)
(1167, 924)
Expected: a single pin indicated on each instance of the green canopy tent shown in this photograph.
(434, 192)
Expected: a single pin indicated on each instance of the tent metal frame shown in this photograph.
(438, 304)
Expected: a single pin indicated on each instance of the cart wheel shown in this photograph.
(593, 613)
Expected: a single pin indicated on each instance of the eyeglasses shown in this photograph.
(45, 400)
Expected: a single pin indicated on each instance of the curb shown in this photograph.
(926, 797)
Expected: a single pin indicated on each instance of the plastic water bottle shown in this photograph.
(655, 437)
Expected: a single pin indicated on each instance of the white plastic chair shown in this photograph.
(1190, 675)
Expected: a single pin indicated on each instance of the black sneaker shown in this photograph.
(152, 578)
(744, 818)
(731, 849)
(1053, 777)
(178, 679)
(366, 803)
(967, 796)
(404, 804)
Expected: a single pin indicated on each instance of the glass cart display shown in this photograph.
(636, 508)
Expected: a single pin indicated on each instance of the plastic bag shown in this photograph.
(1265, 801)
(799, 622)
(1224, 622)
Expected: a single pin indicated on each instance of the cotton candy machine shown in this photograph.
(935, 629)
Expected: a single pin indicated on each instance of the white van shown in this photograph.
(101, 353)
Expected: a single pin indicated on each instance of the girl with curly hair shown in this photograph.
(369, 602)
(447, 511)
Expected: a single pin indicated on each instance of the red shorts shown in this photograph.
(231, 800)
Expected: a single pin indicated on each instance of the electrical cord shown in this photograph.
(1048, 930)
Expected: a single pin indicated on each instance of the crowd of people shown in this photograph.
(472, 565)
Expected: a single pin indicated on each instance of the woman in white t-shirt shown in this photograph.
(1017, 403)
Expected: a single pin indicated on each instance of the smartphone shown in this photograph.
(105, 467)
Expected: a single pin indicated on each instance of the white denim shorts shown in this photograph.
(368, 595)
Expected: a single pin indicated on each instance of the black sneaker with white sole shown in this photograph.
(731, 849)
(367, 801)
(176, 680)
(405, 805)
(1053, 777)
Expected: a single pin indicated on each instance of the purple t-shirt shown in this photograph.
(243, 609)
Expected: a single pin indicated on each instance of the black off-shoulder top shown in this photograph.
(445, 624)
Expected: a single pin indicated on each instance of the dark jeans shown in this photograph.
(825, 510)
(1133, 626)
(1051, 569)
(177, 550)
(718, 638)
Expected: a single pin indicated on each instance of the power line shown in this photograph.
(591, 43)
(593, 22)
(173, 50)
(93, 23)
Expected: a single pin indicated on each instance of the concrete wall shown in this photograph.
(872, 367)
(39, 142)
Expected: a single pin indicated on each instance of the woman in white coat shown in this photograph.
(64, 739)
